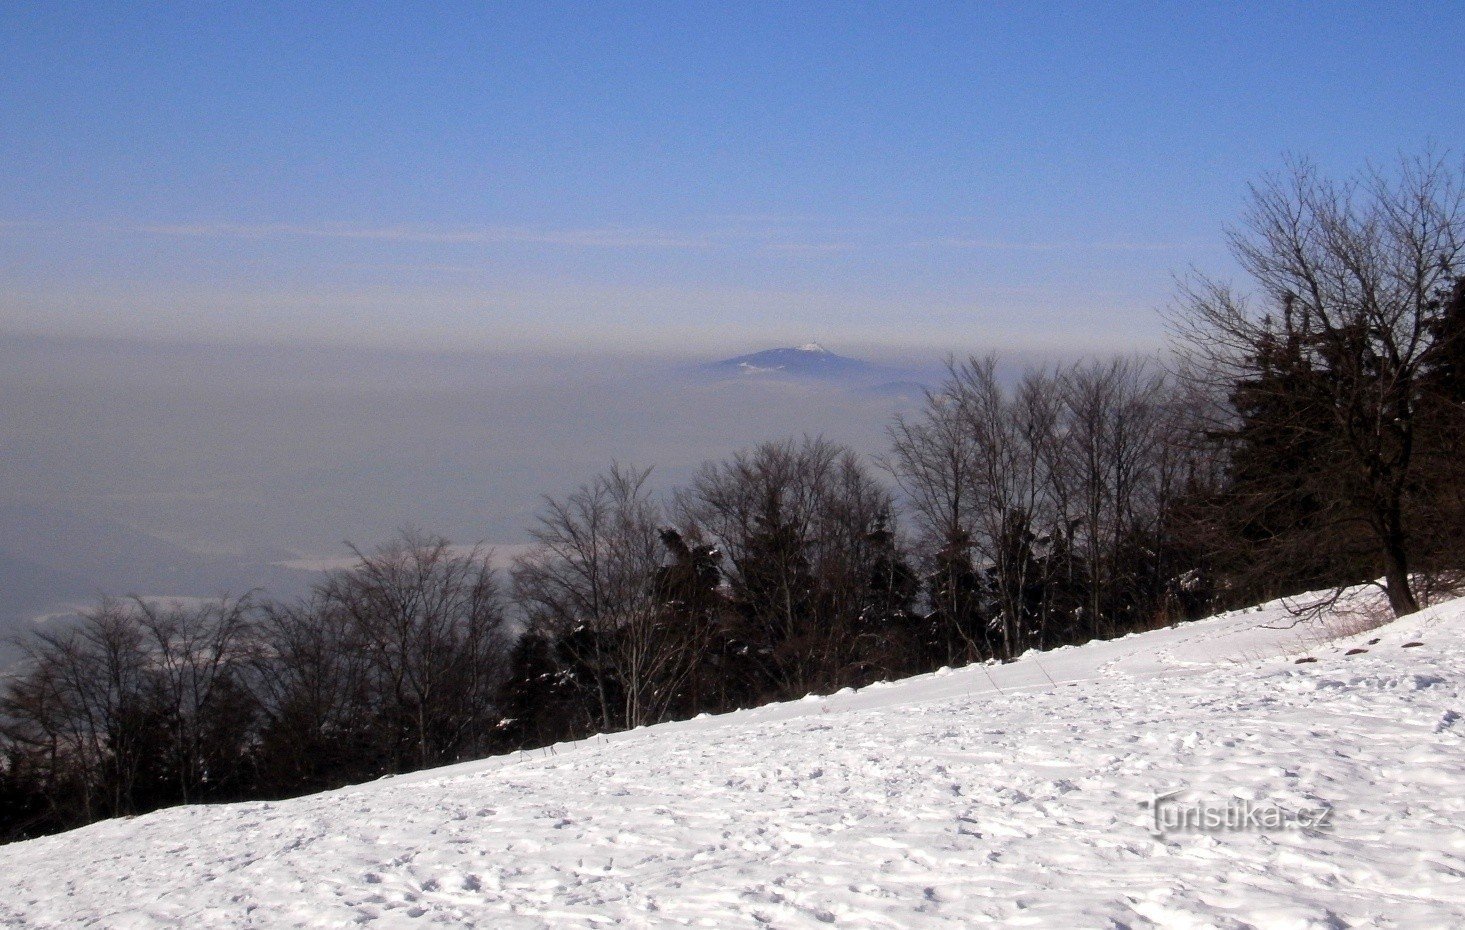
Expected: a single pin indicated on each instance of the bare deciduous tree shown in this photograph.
(431, 624)
(1328, 358)
(590, 586)
(794, 521)
(1111, 450)
(313, 678)
(133, 706)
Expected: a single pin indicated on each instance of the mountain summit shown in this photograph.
(810, 360)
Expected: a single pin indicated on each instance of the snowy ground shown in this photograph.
(1009, 795)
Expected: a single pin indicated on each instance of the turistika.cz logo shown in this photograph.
(1171, 813)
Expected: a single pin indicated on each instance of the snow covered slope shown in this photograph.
(1009, 795)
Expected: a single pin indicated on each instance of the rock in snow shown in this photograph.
(1016, 795)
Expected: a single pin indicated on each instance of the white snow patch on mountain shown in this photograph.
(1005, 794)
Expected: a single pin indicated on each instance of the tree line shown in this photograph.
(1306, 435)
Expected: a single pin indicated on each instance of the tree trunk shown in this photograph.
(1396, 579)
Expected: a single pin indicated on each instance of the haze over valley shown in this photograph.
(183, 469)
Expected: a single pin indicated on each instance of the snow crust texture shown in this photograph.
(1005, 795)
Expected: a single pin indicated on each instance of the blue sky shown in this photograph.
(644, 177)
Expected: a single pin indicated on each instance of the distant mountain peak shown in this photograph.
(810, 360)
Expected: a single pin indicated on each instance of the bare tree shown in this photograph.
(1056, 485)
(1112, 444)
(793, 519)
(194, 658)
(312, 674)
(431, 623)
(933, 461)
(590, 586)
(1328, 357)
(1008, 485)
(73, 707)
(135, 706)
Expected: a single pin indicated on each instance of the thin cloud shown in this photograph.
(774, 239)
(503, 235)
(1008, 245)
(809, 248)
